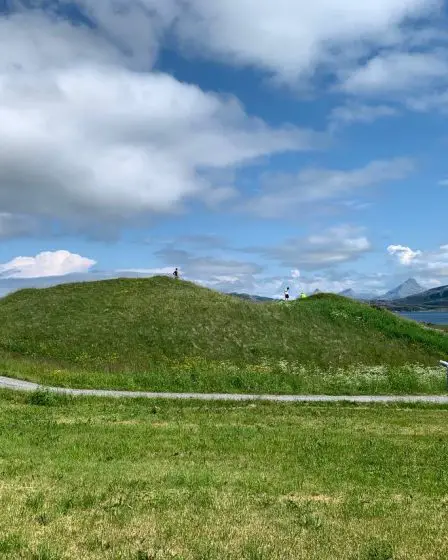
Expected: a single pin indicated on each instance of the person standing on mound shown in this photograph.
(176, 273)
(287, 294)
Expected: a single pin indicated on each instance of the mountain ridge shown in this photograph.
(435, 299)
(408, 288)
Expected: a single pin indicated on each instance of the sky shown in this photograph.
(253, 144)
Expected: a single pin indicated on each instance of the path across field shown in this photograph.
(18, 385)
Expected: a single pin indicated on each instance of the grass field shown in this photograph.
(159, 334)
(138, 480)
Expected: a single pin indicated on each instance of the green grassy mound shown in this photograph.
(142, 327)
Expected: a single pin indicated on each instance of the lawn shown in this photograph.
(95, 479)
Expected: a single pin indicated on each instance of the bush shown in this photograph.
(44, 397)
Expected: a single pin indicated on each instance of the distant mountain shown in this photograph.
(251, 297)
(409, 288)
(435, 299)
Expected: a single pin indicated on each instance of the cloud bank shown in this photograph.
(86, 134)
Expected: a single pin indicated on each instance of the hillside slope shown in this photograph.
(138, 324)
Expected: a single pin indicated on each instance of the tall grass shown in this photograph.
(201, 376)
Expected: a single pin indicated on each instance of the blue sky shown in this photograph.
(251, 144)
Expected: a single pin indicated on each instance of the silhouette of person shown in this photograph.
(287, 294)
(176, 273)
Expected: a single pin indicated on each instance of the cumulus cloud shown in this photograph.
(291, 38)
(405, 255)
(89, 132)
(397, 72)
(57, 263)
(85, 135)
(329, 248)
(286, 39)
(428, 264)
(286, 194)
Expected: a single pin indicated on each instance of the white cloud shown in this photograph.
(85, 136)
(287, 39)
(431, 264)
(57, 263)
(89, 133)
(290, 38)
(397, 72)
(436, 262)
(405, 255)
(352, 113)
(330, 248)
(287, 194)
(37, 42)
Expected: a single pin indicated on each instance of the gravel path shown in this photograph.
(18, 385)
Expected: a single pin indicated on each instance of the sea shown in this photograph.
(433, 317)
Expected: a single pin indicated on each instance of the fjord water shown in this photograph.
(433, 317)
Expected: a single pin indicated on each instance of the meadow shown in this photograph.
(158, 334)
(146, 480)
(139, 480)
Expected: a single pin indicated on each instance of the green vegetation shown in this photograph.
(106, 479)
(160, 334)
(98, 479)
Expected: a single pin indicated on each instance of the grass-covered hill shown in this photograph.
(147, 327)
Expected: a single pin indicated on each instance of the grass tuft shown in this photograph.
(377, 550)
